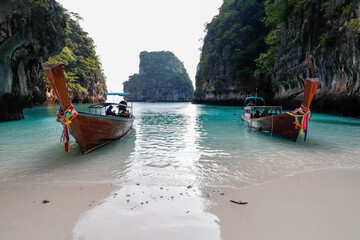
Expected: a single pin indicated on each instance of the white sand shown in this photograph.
(24, 216)
(316, 205)
(151, 213)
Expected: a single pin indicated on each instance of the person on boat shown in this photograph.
(257, 114)
(123, 102)
(109, 111)
(122, 106)
(123, 112)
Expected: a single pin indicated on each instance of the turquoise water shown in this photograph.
(179, 143)
(163, 169)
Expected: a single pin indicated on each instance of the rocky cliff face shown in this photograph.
(307, 38)
(323, 44)
(29, 32)
(234, 39)
(162, 77)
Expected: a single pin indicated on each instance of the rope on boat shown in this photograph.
(65, 118)
(306, 115)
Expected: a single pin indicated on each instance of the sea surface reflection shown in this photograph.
(174, 151)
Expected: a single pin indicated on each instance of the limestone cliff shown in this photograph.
(322, 40)
(162, 77)
(305, 38)
(29, 32)
(234, 39)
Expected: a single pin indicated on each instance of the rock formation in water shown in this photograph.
(162, 77)
(31, 32)
(306, 38)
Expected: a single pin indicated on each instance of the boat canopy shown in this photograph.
(253, 101)
(117, 94)
(255, 98)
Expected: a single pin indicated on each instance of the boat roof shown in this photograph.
(117, 94)
(254, 98)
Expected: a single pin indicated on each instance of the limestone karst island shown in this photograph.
(206, 120)
(162, 77)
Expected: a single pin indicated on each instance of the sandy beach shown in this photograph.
(314, 205)
(25, 216)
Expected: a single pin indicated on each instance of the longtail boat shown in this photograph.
(90, 130)
(270, 119)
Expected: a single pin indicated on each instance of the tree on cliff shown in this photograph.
(162, 77)
(82, 69)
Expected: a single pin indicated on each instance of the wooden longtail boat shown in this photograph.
(287, 125)
(90, 130)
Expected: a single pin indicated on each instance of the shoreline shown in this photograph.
(321, 204)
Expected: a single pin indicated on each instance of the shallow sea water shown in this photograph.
(172, 146)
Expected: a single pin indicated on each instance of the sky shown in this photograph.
(121, 29)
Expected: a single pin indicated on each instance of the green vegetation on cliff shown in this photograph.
(81, 64)
(234, 39)
(162, 77)
(31, 31)
(277, 14)
(311, 38)
(310, 27)
(273, 45)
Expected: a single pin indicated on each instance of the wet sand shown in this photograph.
(316, 205)
(25, 216)
(145, 211)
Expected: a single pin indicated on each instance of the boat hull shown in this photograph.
(280, 124)
(284, 124)
(98, 130)
(90, 130)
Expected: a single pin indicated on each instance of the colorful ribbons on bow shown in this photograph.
(305, 114)
(65, 118)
